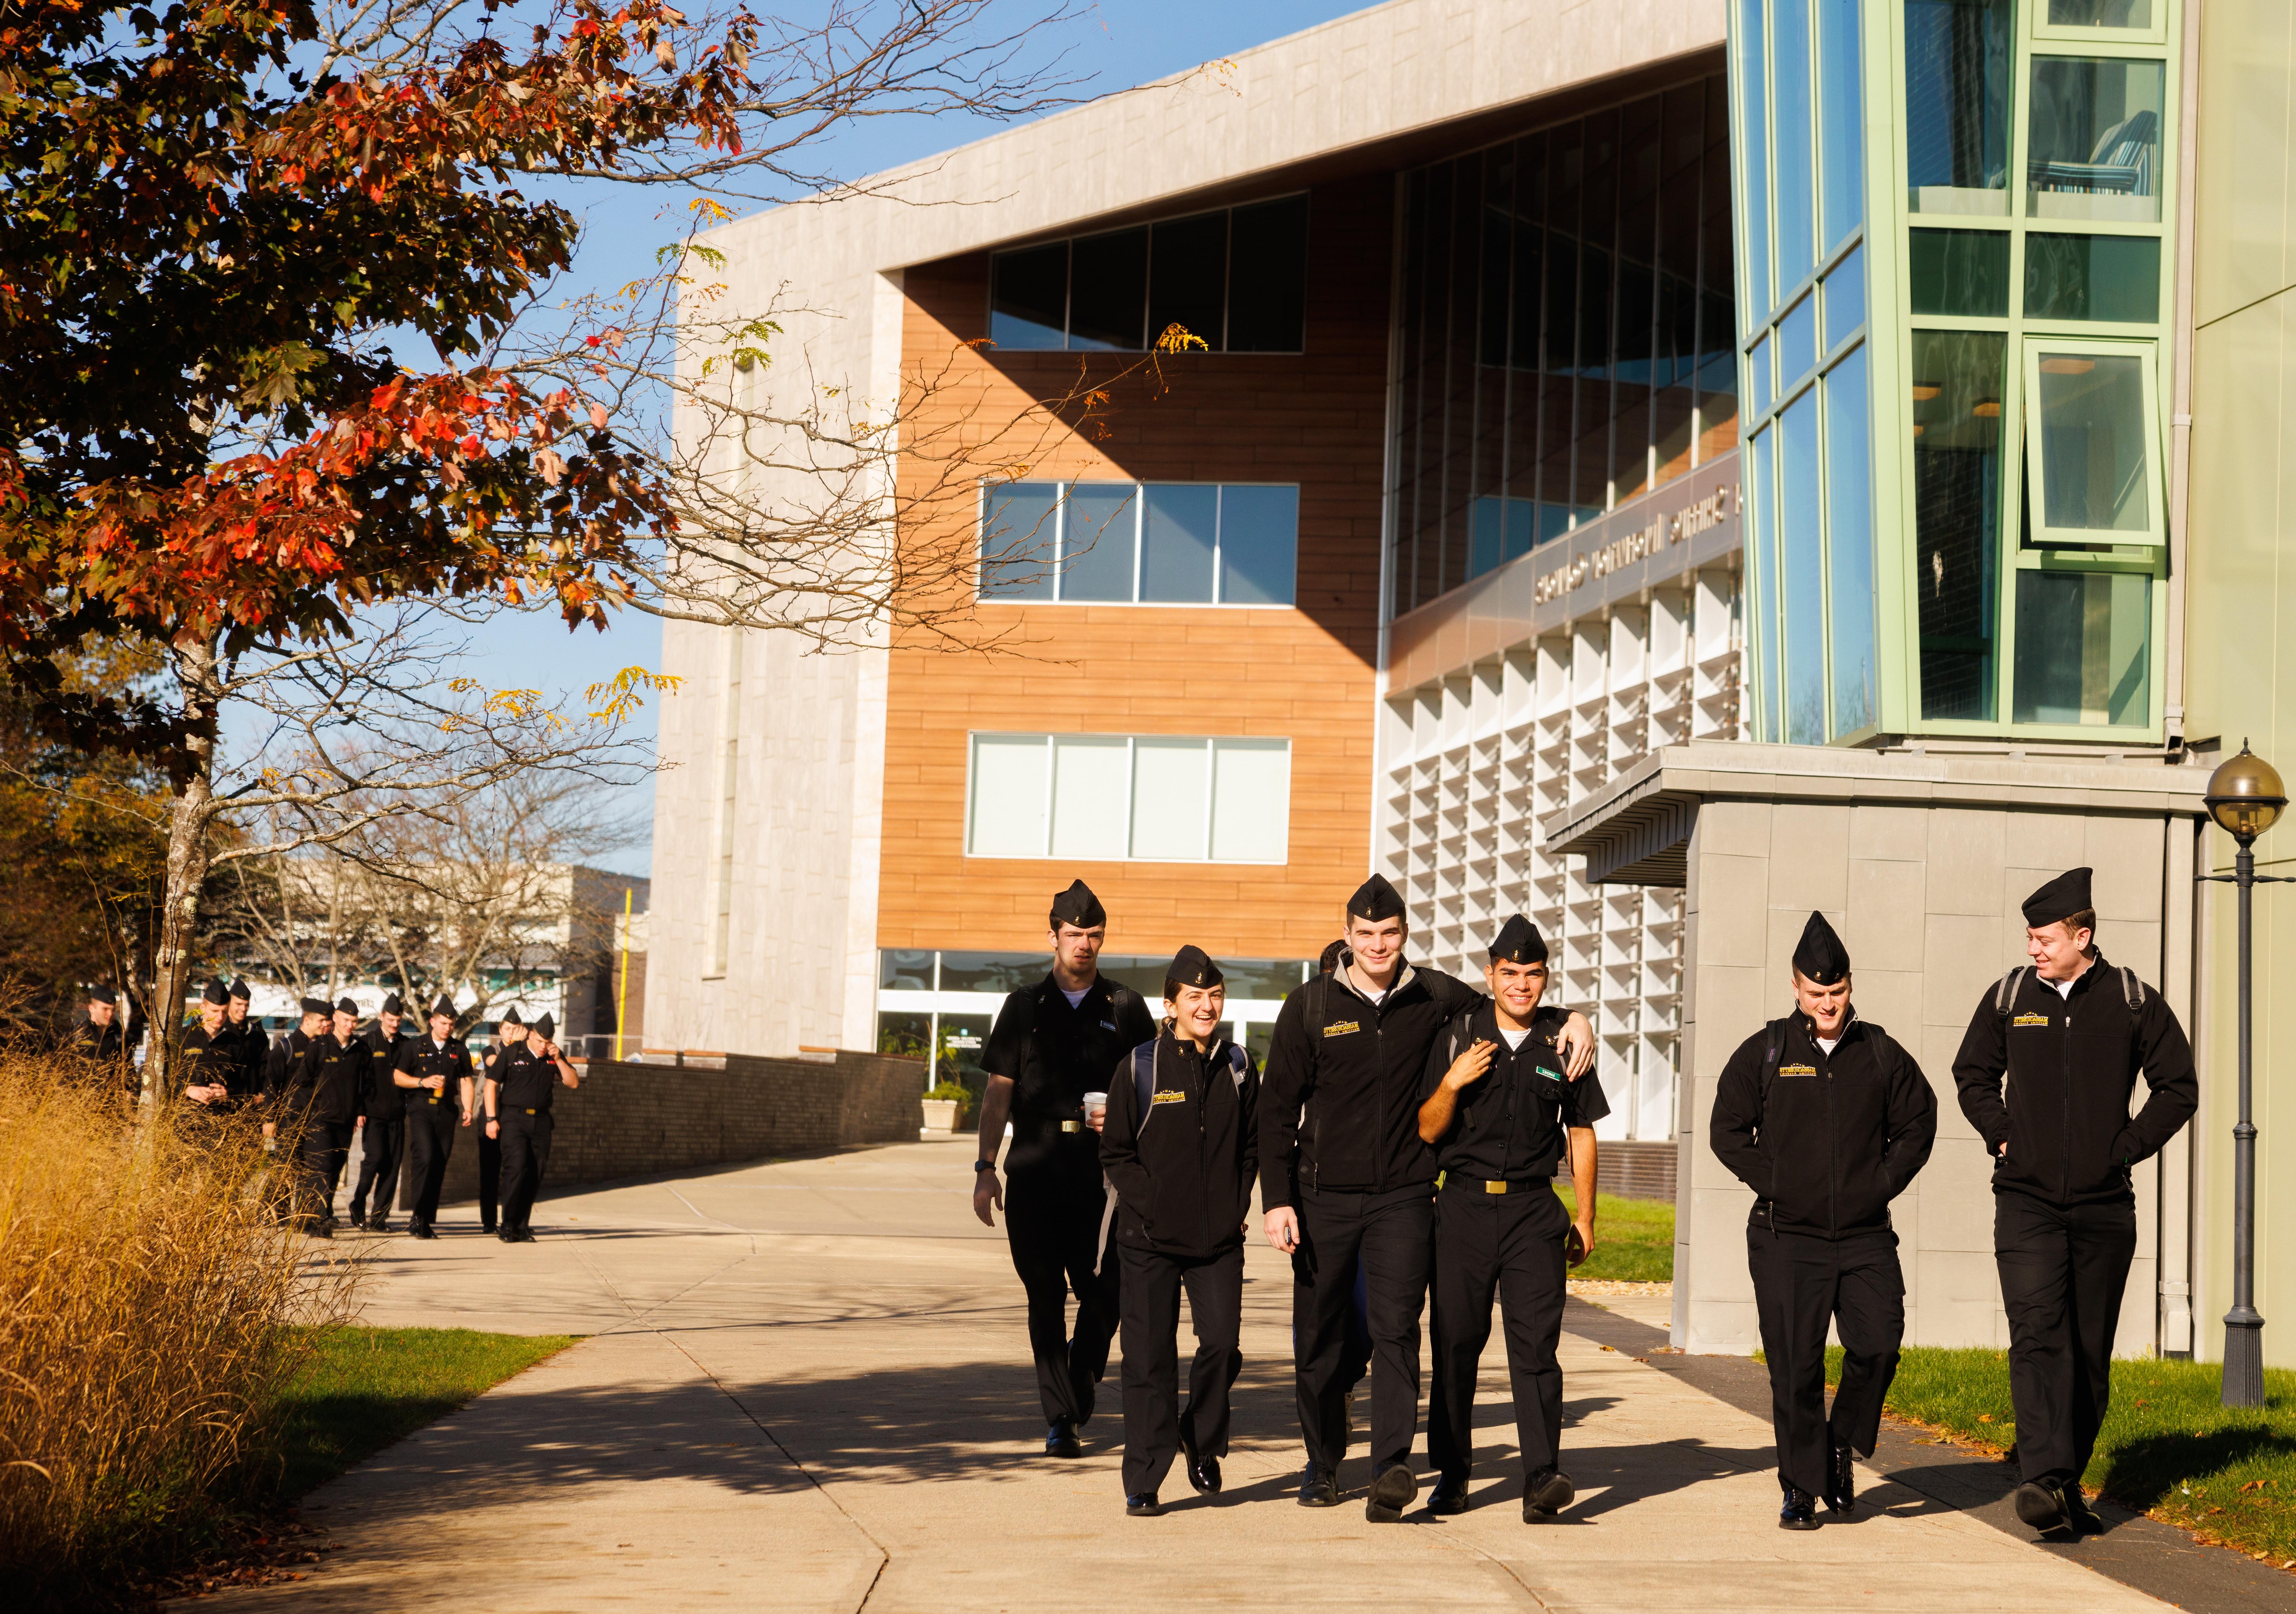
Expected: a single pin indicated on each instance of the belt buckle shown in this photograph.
(530, 1113)
(1494, 1185)
(1071, 1126)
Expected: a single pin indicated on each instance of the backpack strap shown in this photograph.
(1144, 1085)
(1239, 1064)
(2005, 994)
(2132, 988)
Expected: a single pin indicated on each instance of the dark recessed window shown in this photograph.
(2115, 277)
(1234, 279)
(1960, 272)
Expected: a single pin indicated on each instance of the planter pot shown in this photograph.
(940, 1116)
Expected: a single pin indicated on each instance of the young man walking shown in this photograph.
(382, 1145)
(1828, 1119)
(521, 1084)
(1053, 1043)
(1501, 1114)
(2070, 1033)
(435, 1074)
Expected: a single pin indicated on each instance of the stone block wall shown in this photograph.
(628, 1119)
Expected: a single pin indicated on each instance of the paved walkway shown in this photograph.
(805, 1389)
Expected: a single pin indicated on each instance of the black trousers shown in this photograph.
(525, 1149)
(1802, 1283)
(320, 1153)
(380, 1154)
(1154, 1417)
(491, 1168)
(1508, 1247)
(1052, 1220)
(1391, 1233)
(2063, 1272)
(430, 1131)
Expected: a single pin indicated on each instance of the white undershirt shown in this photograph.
(2064, 987)
(1514, 1038)
(1075, 998)
(1829, 1043)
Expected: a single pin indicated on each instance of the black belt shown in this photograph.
(1461, 1182)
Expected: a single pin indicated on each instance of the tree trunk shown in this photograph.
(199, 687)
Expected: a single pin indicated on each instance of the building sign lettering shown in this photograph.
(1640, 544)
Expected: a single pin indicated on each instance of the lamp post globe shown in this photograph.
(2245, 796)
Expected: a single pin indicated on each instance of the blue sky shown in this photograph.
(1109, 46)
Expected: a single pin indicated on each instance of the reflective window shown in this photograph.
(1236, 279)
(906, 969)
(1123, 543)
(1959, 271)
(1762, 495)
(1020, 540)
(1957, 67)
(1845, 299)
(1956, 415)
(1841, 110)
(1751, 69)
(1795, 165)
(2112, 277)
(2101, 14)
(1853, 662)
(2086, 432)
(1178, 536)
(1758, 367)
(2092, 144)
(1801, 574)
(1259, 542)
(1099, 527)
(1797, 343)
(2084, 648)
(1162, 798)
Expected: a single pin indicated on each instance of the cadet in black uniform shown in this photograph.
(383, 1142)
(325, 1097)
(1501, 1114)
(510, 1035)
(99, 1039)
(2070, 1033)
(1828, 1119)
(1181, 1147)
(207, 1061)
(435, 1073)
(288, 1051)
(520, 1082)
(1344, 1174)
(251, 1047)
(1053, 1043)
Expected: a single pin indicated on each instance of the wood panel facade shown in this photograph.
(1306, 674)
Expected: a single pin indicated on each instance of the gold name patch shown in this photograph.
(2030, 1019)
(1342, 1028)
(1169, 1098)
(1796, 1069)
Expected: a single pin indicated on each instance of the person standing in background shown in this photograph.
(510, 1038)
(383, 1145)
(521, 1086)
(435, 1074)
(325, 1097)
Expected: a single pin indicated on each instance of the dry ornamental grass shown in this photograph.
(147, 1295)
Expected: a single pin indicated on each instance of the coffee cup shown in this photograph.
(1093, 1103)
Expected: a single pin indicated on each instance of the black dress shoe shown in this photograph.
(1142, 1505)
(486, 1227)
(507, 1237)
(421, 1230)
(2041, 1504)
(1318, 1490)
(1799, 1511)
(2083, 1517)
(1390, 1493)
(1203, 1473)
(378, 1224)
(1841, 1483)
(524, 1236)
(1448, 1496)
(1545, 1493)
(1061, 1440)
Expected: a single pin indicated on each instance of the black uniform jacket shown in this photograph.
(2071, 1065)
(1182, 1169)
(422, 1057)
(525, 1079)
(285, 1058)
(205, 1063)
(329, 1083)
(1509, 1124)
(250, 1051)
(1055, 1055)
(106, 1045)
(1824, 1140)
(1342, 1108)
(386, 1100)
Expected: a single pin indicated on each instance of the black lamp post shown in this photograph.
(2244, 796)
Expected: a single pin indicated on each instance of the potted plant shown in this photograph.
(945, 1108)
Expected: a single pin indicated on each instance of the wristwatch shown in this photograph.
(981, 1166)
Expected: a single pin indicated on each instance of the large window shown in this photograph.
(1129, 543)
(1956, 432)
(1958, 67)
(1567, 329)
(1235, 279)
(1158, 798)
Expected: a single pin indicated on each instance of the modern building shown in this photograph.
(1662, 468)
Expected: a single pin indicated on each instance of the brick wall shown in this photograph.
(629, 1120)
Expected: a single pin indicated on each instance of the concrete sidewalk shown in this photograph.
(807, 1388)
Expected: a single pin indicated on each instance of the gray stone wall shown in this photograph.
(628, 1119)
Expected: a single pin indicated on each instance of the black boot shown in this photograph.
(1799, 1511)
(1841, 1483)
(1060, 1439)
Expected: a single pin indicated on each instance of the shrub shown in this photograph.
(147, 1292)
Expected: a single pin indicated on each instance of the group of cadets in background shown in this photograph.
(400, 1095)
(1404, 1140)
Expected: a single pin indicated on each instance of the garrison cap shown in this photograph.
(1519, 942)
(391, 1006)
(444, 1006)
(510, 1017)
(546, 1028)
(318, 1005)
(346, 1006)
(1077, 906)
(241, 990)
(1375, 899)
(1819, 957)
(1334, 955)
(2062, 899)
(214, 994)
(101, 994)
(1192, 967)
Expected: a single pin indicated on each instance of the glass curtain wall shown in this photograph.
(1801, 193)
(1567, 332)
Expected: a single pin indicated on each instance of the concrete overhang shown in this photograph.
(1635, 831)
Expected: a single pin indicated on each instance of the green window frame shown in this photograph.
(2047, 362)
(2106, 35)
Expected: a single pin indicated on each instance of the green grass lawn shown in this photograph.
(2167, 1446)
(363, 1388)
(1634, 1238)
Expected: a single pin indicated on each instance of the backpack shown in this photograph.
(1144, 1078)
(2005, 994)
